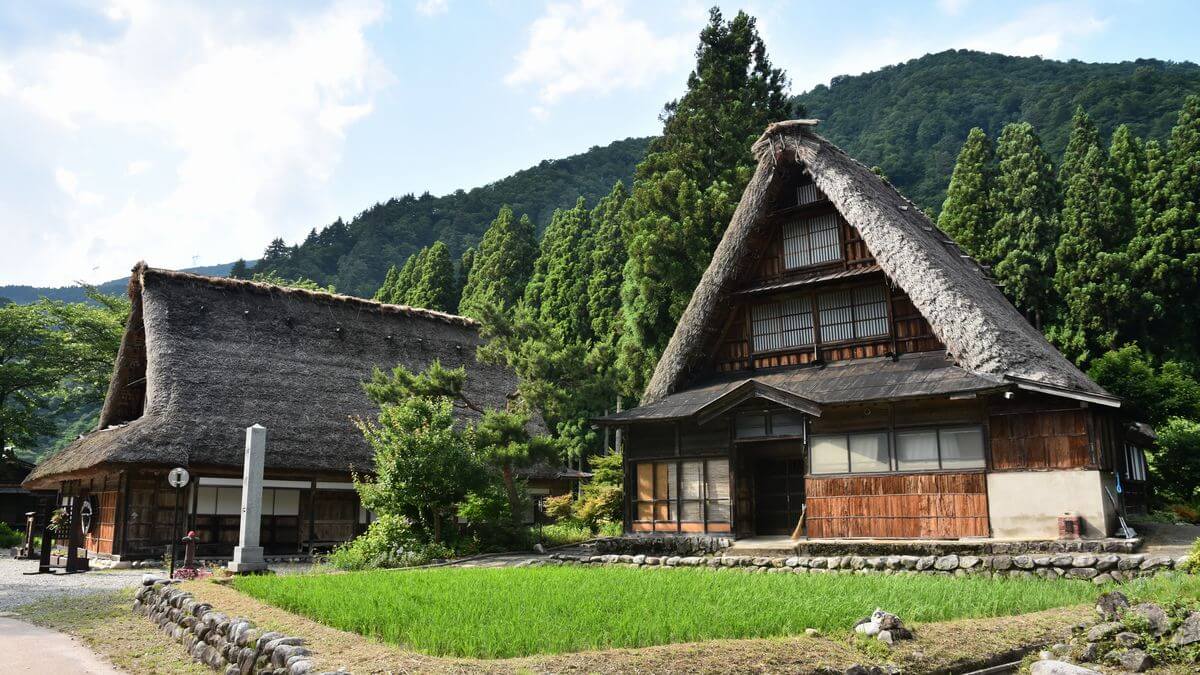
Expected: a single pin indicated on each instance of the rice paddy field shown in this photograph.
(507, 612)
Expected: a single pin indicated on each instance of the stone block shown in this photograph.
(946, 563)
(1082, 572)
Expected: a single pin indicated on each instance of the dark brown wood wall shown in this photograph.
(925, 506)
(1046, 439)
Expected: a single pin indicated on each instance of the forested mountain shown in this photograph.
(355, 257)
(910, 119)
(23, 295)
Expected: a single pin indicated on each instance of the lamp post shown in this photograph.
(178, 479)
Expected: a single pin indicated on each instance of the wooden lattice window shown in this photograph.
(852, 314)
(779, 325)
(811, 241)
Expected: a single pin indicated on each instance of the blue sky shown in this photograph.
(193, 133)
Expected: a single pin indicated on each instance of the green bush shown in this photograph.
(561, 534)
(1192, 564)
(610, 528)
(9, 537)
(386, 543)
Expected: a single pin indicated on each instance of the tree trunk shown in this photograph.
(510, 486)
(437, 526)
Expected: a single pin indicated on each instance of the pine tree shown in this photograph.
(1092, 275)
(1083, 136)
(1025, 199)
(557, 291)
(503, 264)
(405, 278)
(686, 188)
(1166, 250)
(239, 270)
(276, 252)
(1127, 156)
(608, 266)
(433, 283)
(389, 282)
(967, 214)
(465, 263)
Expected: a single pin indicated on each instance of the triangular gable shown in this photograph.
(979, 326)
(753, 389)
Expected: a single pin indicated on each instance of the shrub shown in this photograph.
(1192, 564)
(489, 517)
(600, 503)
(9, 537)
(1185, 512)
(560, 507)
(386, 543)
(561, 534)
(610, 528)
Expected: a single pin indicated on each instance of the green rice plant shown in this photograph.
(506, 612)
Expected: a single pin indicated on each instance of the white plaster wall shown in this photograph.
(1026, 504)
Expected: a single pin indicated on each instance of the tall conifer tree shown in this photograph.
(384, 293)
(1092, 275)
(557, 292)
(465, 263)
(433, 282)
(1083, 136)
(503, 264)
(967, 214)
(608, 266)
(405, 278)
(1166, 249)
(1025, 200)
(686, 188)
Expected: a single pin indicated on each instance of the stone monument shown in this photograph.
(248, 555)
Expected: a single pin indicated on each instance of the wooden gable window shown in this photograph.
(779, 325)
(851, 314)
(811, 241)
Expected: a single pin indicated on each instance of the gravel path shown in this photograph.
(17, 589)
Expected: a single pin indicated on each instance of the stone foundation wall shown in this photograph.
(700, 545)
(1097, 568)
(233, 646)
(672, 544)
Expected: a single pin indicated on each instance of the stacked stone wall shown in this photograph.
(229, 645)
(1098, 568)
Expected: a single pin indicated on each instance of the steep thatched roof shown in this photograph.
(205, 357)
(982, 331)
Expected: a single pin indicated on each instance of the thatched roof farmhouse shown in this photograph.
(844, 369)
(203, 358)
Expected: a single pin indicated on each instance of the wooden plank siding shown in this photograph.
(909, 506)
(104, 522)
(1054, 439)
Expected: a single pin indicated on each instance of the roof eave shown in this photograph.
(1064, 392)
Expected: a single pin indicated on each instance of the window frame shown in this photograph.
(768, 425)
(893, 450)
(675, 501)
(817, 326)
(806, 217)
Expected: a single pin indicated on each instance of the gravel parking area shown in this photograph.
(17, 588)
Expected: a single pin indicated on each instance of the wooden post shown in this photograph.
(74, 535)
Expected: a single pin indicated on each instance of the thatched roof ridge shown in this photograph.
(142, 269)
(979, 326)
(217, 355)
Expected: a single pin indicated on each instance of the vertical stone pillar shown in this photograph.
(248, 555)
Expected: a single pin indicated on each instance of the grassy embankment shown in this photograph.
(497, 613)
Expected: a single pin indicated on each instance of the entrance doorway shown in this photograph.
(778, 494)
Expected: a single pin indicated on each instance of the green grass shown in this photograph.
(493, 613)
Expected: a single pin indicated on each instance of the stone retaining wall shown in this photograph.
(655, 544)
(233, 646)
(1097, 568)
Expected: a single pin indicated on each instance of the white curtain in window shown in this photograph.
(869, 452)
(916, 450)
(962, 447)
(829, 454)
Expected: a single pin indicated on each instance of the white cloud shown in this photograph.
(244, 115)
(1039, 31)
(432, 7)
(592, 46)
(952, 7)
(68, 182)
(138, 166)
